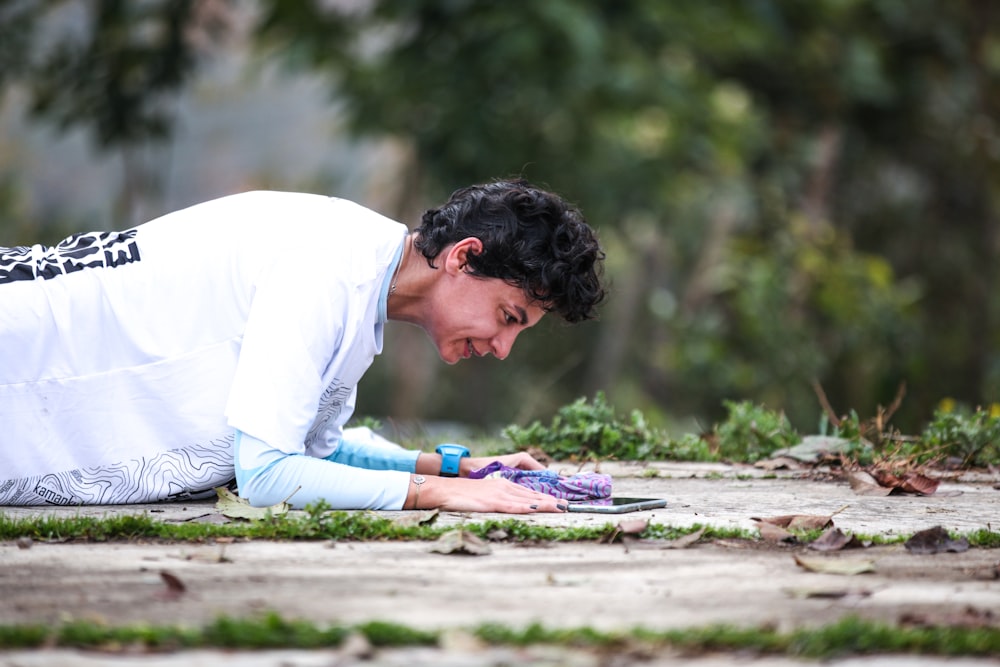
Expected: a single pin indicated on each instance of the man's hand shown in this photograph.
(522, 460)
(482, 495)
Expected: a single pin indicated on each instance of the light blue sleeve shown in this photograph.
(267, 476)
(366, 455)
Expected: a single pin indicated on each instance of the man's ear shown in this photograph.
(458, 254)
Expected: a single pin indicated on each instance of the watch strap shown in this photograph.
(451, 458)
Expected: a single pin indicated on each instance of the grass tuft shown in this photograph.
(384, 634)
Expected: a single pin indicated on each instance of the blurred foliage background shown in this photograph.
(792, 194)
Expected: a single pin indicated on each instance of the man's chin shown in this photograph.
(450, 360)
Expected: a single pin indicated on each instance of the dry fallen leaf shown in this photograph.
(772, 533)
(911, 482)
(884, 477)
(845, 566)
(633, 526)
(680, 543)
(175, 587)
(627, 527)
(685, 541)
(864, 484)
(914, 482)
(231, 505)
(733, 544)
(413, 519)
(826, 593)
(355, 647)
(460, 542)
(934, 541)
(833, 539)
(798, 521)
(814, 449)
(779, 463)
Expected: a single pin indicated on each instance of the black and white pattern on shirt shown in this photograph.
(331, 404)
(175, 475)
(72, 254)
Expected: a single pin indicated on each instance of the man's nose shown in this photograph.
(502, 343)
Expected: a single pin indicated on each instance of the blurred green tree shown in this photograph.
(109, 67)
(882, 123)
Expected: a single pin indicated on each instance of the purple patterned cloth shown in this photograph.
(581, 486)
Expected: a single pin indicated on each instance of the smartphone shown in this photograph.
(618, 505)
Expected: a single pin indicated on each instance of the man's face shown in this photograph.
(476, 316)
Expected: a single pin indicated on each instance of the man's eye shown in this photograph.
(510, 319)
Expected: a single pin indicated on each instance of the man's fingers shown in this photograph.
(524, 461)
(538, 502)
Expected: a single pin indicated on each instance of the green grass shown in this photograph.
(335, 526)
(363, 526)
(848, 636)
(984, 539)
(340, 526)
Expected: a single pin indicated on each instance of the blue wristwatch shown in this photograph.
(451, 456)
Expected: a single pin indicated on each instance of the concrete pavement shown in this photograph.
(604, 586)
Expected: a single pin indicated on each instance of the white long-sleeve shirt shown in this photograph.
(128, 360)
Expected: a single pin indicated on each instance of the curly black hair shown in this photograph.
(532, 239)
